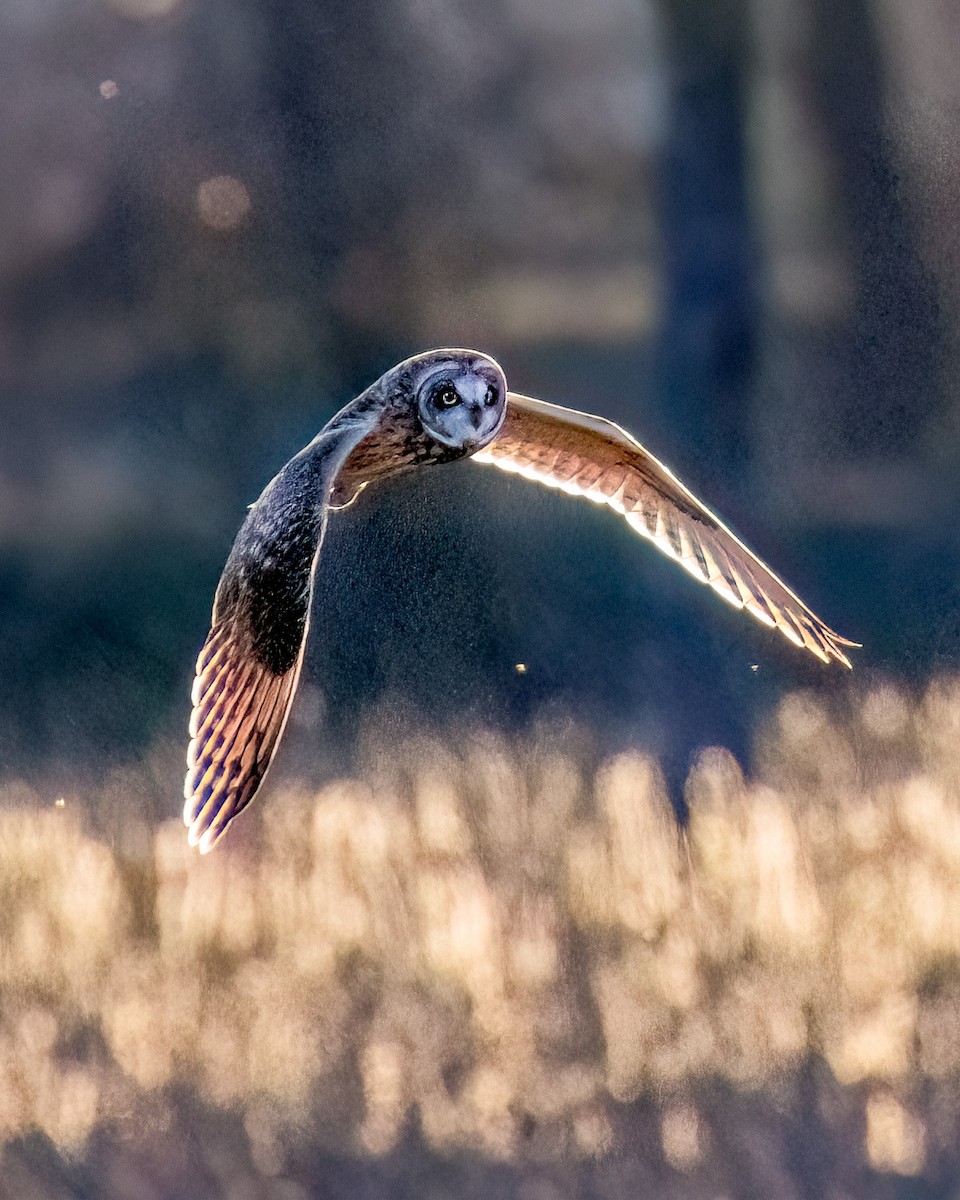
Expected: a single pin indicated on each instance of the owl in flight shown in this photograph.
(434, 408)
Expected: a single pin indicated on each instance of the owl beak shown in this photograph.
(476, 415)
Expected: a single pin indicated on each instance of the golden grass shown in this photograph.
(509, 949)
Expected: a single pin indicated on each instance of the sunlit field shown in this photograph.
(496, 961)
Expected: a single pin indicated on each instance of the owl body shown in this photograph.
(432, 409)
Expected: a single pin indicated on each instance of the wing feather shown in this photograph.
(249, 666)
(588, 456)
(240, 709)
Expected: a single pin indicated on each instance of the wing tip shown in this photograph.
(207, 817)
(836, 641)
(202, 837)
(208, 839)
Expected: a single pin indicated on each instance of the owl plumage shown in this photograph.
(434, 408)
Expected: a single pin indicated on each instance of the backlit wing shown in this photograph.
(240, 707)
(248, 669)
(587, 456)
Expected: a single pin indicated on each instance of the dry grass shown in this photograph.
(536, 965)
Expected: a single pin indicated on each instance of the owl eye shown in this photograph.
(491, 397)
(446, 396)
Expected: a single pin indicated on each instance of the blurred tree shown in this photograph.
(710, 326)
(889, 389)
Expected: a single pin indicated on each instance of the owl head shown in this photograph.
(461, 397)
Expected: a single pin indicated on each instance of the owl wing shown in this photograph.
(249, 667)
(588, 456)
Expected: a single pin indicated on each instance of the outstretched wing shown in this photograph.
(587, 456)
(249, 666)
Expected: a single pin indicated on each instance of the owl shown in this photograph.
(435, 408)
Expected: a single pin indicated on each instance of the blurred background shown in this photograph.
(729, 226)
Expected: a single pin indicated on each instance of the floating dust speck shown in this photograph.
(521, 668)
(223, 202)
(59, 802)
(109, 89)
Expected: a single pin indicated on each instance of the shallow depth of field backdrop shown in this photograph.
(671, 912)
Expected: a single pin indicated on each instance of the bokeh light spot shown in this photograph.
(223, 202)
(894, 1137)
(681, 1135)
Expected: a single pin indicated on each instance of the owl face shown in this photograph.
(461, 398)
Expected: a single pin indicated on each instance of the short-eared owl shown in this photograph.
(435, 408)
